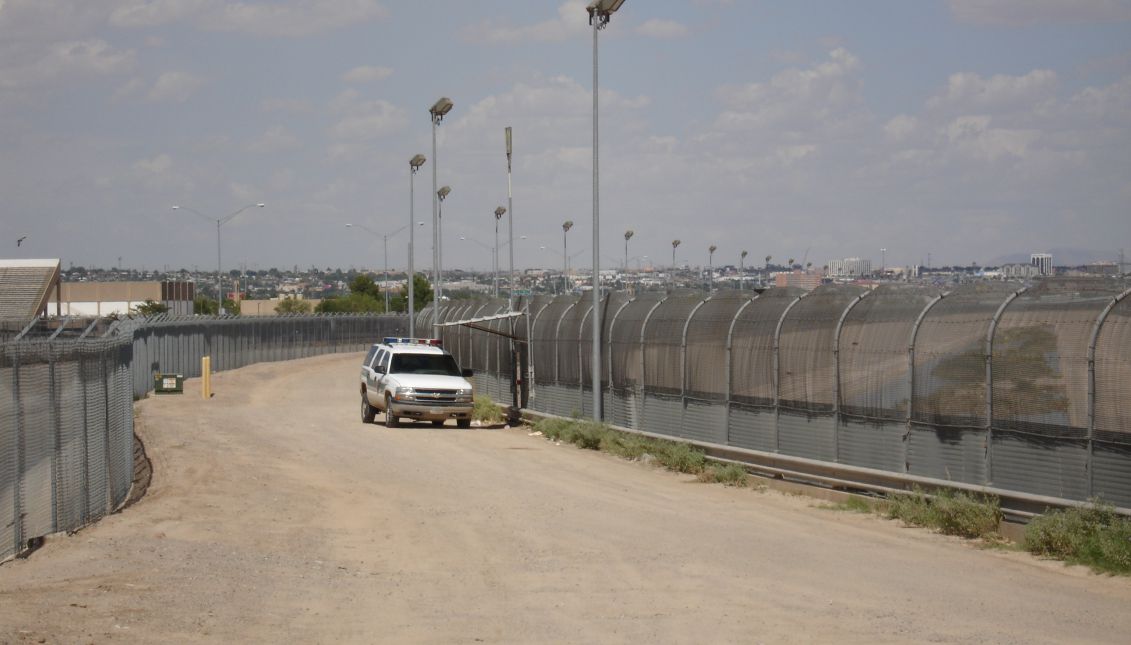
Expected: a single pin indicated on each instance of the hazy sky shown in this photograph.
(966, 129)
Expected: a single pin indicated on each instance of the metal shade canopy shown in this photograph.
(416, 161)
(441, 108)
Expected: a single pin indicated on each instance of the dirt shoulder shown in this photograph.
(274, 515)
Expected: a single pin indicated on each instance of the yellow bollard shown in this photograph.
(206, 377)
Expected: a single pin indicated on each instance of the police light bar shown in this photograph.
(434, 342)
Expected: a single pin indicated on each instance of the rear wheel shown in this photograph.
(368, 412)
(390, 418)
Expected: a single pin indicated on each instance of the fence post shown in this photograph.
(911, 374)
(730, 362)
(580, 356)
(18, 481)
(990, 383)
(1092, 388)
(683, 360)
(777, 371)
(836, 372)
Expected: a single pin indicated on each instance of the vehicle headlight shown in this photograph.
(405, 394)
(464, 395)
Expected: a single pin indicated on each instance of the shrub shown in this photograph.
(726, 474)
(1095, 536)
(486, 410)
(949, 512)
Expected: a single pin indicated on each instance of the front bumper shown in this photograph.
(432, 411)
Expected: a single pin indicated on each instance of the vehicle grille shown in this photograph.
(441, 396)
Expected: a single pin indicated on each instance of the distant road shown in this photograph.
(276, 516)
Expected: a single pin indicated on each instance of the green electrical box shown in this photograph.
(168, 383)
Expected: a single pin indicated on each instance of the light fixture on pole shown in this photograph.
(414, 164)
(385, 242)
(219, 222)
(741, 270)
(438, 110)
(599, 13)
(671, 278)
(510, 226)
(566, 225)
(711, 268)
(499, 212)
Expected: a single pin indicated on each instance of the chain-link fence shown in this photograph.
(67, 389)
(996, 384)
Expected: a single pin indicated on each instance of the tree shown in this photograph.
(151, 308)
(364, 284)
(204, 306)
(293, 306)
(353, 303)
(422, 295)
(231, 307)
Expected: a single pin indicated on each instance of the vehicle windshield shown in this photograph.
(437, 364)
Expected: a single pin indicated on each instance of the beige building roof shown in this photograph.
(26, 287)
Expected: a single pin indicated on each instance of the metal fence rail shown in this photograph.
(992, 384)
(67, 392)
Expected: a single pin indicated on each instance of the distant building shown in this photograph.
(797, 278)
(849, 268)
(1022, 271)
(27, 288)
(1103, 268)
(1043, 262)
(109, 298)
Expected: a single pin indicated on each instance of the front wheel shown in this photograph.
(463, 423)
(368, 412)
(390, 418)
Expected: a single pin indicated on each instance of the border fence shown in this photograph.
(1026, 389)
(67, 392)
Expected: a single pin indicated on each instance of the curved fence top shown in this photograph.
(1113, 376)
(568, 337)
(874, 345)
(624, 340)
(610, 305)
(663, 342)
(950, 356)
(1040, 357)
(544, 343)
(707, 331)
(807, 364)
(752, 347)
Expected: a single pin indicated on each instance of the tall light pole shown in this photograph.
(499, 212)
(741, 270)
(438, 110)
(385, 241)
(883, 260)
(711, 268)
(671, 280)
(441, 195)
(510, 226)
(414, 164)
(566, 225)
(766, 278)
(600, 11)
(627, 236)
(219, 222)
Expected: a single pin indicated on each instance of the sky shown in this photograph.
(956, 130)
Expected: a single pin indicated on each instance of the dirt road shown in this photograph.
(276, 516)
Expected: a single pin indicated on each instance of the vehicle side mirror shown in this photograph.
(380, 369)
(467, 372)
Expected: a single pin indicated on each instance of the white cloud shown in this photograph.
(362, 120)
(1019, 13)
(658, 28)
(174, 87)
(274, 139)
(367, 74)
(571, 22)
(300, 18)
(85, 58)
(292, 106)
(966, 92)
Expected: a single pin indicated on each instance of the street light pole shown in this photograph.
(568, 224)
(438, 110)
(441, 195)
(510, 226)
(883, 260)
(499, 212)
(219, 222)
(414, 164)
(385, 242)
(711, 268)
(671, 278)
(741, 270)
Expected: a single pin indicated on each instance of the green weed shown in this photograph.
(1095, 536)
(949, 512)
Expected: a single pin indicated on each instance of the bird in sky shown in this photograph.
(21, 240)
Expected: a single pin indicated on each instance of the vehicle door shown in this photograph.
(380, 370)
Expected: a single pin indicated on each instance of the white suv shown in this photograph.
(414, 378)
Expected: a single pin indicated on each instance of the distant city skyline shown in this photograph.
(961, 130)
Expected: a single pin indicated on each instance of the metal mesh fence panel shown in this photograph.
(33, 377)
(568, 339)
(1040, 357)
(706, 374)
(807, 364)
(752, 348)
(70, 484)
(544, 341)
(663, 343)
(624, 341)
(610, 304)
(950, 357)
(9, 455)
(874, 341)
(1113, 377)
